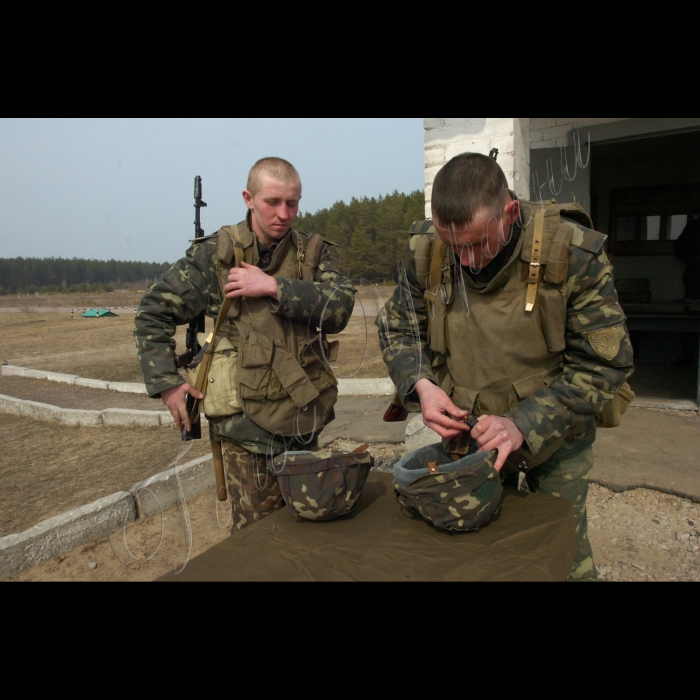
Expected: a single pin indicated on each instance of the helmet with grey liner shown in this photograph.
(457, 496)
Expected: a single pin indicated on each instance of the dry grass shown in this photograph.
(100, 348)
(99, 299)
(47, 469)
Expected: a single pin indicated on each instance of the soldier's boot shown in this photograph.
(253, 488)
(567, 477)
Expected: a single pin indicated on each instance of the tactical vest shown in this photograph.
(281, 372)
(497, 345)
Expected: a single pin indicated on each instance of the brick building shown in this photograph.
(638, 177)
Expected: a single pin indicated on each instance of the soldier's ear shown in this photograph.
(248, 199)
(512, 211)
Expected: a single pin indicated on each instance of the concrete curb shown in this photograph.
(63, 533)
(58, 535)
(664, 404)
(366, 387)
(123, 387)
(346, 387)
(119, 417)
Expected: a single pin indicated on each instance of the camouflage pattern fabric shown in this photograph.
(566, 475)
(570, 403)
(322, 485)
(191, 286)
(463, 496)
(253, 488)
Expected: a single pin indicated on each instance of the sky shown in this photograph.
(123, 188)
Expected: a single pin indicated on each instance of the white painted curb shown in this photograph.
(123, 387)
(346, 387)
(366, 387)
(120, 417)
(63, 533)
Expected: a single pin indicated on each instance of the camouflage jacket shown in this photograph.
(191, 286)
(568, 405)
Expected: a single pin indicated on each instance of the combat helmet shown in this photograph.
(457, 496)
(322, 485)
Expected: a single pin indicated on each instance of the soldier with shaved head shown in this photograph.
(507, 310)
(270, 387)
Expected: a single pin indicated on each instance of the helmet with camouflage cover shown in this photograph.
(322, 485)
(457, 495)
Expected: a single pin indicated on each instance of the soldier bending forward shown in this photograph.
(269, 388)
(515, 320)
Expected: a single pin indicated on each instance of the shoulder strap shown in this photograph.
(308, 254)
(435, 277)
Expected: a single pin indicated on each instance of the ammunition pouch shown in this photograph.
(221, 398)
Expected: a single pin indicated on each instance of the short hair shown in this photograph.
(279, 168)
(464, 186)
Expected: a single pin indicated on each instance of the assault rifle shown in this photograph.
(196, 326)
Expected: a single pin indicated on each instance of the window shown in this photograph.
(646, 221)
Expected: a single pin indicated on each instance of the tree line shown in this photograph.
(50, 275)
(370, 232)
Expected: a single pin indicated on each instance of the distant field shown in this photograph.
(103, 348)
(102, 300)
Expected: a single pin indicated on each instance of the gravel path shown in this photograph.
(644, 535)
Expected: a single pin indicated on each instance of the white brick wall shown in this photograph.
(447, 137)
(553, 132)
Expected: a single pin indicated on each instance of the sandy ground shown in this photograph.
(103, 348)
(67, 396)
(102, 300)
(46, 469)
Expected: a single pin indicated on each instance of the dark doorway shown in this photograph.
(644, 191)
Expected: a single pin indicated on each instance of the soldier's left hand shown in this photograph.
(250, 281)
(497, 433)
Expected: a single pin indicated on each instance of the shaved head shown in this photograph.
(276, 168)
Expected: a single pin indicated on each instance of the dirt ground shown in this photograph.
(67, 396)
(47, 469)
(102, 300)
(98, 348)
(103, 348)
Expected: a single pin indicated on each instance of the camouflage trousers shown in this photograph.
(253, 488)
(567, 477)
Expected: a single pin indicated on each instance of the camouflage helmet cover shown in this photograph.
(322, 485)
(455, 496)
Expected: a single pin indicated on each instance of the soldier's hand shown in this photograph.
(174, 399)
(497, 433)
(439, 413)
(250, 281)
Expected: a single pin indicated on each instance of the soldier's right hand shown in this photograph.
(174, 399)
(439, 413)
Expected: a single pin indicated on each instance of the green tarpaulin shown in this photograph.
(97, 313)
(532, 539)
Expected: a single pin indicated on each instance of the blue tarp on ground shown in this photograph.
(97, 313)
